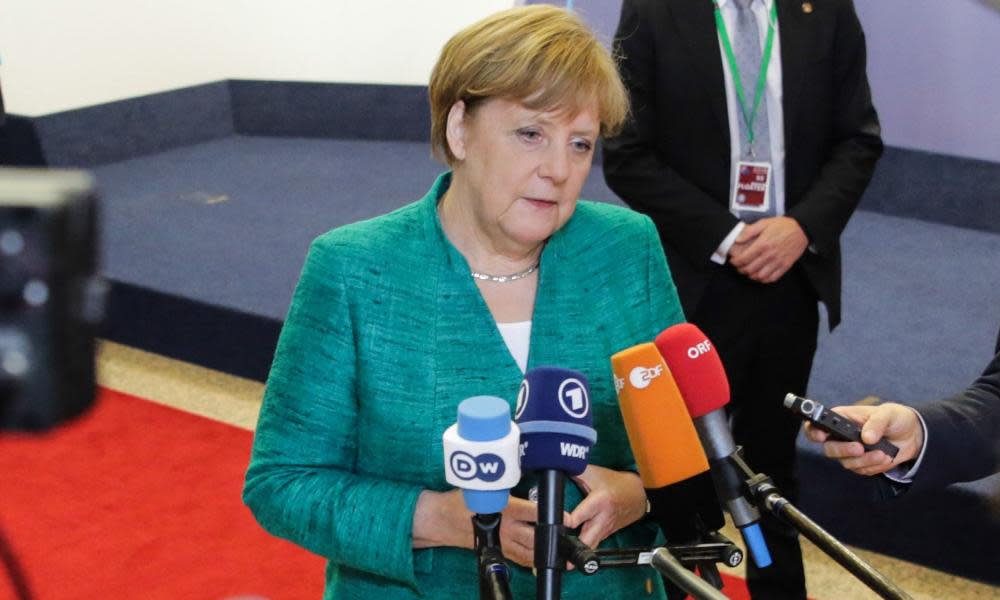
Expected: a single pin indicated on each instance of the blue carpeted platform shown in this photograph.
(228, 222)
(204, 241)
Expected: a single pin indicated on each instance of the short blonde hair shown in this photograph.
(541, 55)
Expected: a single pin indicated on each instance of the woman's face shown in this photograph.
(521, 170)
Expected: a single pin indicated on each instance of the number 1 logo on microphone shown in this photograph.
(574, 399)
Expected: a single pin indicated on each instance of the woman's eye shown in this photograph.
(582, 145)
(529, 135)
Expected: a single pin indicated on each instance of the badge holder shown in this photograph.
(752, 192)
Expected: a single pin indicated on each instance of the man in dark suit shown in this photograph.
(731, 98)
(951, 440)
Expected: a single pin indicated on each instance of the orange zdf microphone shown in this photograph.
(672, 463)
(704, 388)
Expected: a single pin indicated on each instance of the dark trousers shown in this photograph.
(766, 337)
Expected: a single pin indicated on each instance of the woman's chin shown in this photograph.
(533, 236)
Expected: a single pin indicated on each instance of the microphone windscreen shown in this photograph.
(483, 419)
(660, 431)
(553, 414)
(696, 366)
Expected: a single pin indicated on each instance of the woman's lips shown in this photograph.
(541, 202)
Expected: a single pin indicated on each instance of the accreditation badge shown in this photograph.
(752, 189)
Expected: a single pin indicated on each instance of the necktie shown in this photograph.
(747, 49)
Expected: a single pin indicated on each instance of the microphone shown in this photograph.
(481, 454)
(704, 388)
(672, 463)
(702, 381)
(553, 413)
(481, 459)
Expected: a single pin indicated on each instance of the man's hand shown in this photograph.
(895, 422)
(767, 249)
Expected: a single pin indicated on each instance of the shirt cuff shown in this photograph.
(897, 473)
(721, 253)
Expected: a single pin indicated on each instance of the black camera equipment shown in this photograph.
(51, 298)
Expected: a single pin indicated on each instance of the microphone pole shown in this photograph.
(672, 569)
(494, 575)
(548, 530)
(767, 496)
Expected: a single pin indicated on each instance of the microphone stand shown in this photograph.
(717, 549)
(762, 492)
(494, 575)
(674, 563)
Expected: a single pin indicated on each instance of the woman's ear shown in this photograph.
(456, 130)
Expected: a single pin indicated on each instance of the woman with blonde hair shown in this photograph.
(497, 269)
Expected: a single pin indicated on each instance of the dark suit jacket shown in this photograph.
(963, 433)
(672, 161)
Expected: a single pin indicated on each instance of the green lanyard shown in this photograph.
(735, 70)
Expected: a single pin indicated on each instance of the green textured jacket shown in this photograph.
(385, 335)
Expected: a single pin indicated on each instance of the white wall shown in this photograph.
(64, 54)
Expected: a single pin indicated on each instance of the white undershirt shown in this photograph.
(517, 336)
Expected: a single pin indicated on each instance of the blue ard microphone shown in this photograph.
(553, 412)
(481, 459)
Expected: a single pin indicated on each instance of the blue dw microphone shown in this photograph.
(480, 454)
(481, 459)
(553, 412)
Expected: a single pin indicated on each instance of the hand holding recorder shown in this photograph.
(897, 424)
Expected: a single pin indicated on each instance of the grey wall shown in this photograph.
(934, 67)
(602, 15)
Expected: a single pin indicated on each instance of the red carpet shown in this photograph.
(735, 588)
(137, 500)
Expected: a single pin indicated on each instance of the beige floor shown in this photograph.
(236, 401)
